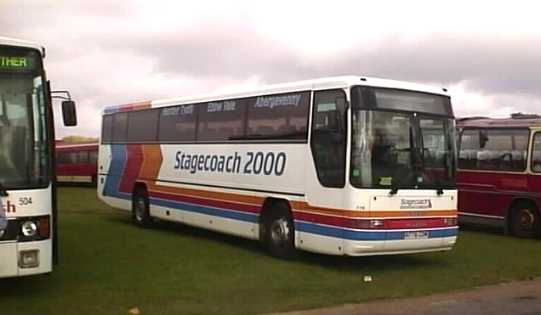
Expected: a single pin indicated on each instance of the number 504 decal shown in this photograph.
(25, 201)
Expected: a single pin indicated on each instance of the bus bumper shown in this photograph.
(390, 247)
(11, 256)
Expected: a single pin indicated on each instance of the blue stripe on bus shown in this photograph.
(218, 212)
(299, 226)
(366, 235)
(112, 181)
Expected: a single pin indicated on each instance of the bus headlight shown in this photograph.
(34, 229)
(29, 229)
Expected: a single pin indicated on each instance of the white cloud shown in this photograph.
(122, 51)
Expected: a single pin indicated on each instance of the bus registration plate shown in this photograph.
(417, 235)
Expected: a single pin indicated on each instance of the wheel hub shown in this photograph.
(527, 218)
(139, 209)
(280, 231)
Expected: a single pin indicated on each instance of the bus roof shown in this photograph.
(6, 41)
(70, 145)
(315, 84)
(485, 122)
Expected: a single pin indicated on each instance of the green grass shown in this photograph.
(109, 266)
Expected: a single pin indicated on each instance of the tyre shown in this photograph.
(279, 231)
(140, 208)
(525, 221)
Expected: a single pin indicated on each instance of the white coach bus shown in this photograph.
(28, 220)
(343, 166)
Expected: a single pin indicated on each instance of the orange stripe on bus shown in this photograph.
(298, 206)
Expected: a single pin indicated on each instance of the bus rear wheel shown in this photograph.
(279, 232)
(525, 221)
(140, 208)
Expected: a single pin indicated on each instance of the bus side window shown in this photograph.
(328, 140)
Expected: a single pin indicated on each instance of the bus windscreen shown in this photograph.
(23, 145)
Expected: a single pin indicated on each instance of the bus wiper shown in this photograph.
(439, 187)
(393, 191)
(3, 191)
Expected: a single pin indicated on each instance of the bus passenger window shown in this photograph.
(329, 137)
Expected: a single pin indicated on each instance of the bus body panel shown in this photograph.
(185, 183)
(214, 203)
(487, 196)
(32, 198)
(28, 202)
(18, 205)
(76, 163)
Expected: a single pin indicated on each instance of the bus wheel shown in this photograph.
(525, 221)
(279, 232)
(140, 212)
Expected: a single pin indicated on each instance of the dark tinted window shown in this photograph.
(368, 97)
(143, 125)
(329, 137)
(276, 117)
(494, 149)
(107, 129)
(66, 157)
(93, 157)
(220, 121)
(120, 127)
(177, 124)
(82, 157)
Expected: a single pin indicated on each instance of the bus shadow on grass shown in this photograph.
(480, 228)
(342, 263)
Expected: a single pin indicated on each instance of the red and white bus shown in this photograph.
(343, 166)
(77, 162)
(499, 175)
(28, 215)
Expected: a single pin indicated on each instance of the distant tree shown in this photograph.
(76, 139)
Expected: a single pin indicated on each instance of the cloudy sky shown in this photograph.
(112, 52)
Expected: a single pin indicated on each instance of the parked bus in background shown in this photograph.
(28, 220)
(77, 163)
(344, 166)
(499, 176)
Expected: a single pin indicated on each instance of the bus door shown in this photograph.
(326, 167)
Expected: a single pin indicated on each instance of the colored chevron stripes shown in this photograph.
(144, 163)
(127, 107)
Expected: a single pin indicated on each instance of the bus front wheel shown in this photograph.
(140, 208)
(525, 221)
(279, 232)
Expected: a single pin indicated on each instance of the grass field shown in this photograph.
(108, 266)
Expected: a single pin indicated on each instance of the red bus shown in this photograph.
(77, 162)
(499, 173)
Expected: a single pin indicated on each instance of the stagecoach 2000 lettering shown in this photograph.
(250, 163)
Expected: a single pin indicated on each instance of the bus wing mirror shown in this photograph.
(68, 113)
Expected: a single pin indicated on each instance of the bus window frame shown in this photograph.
(459, 148)
(534, 134)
